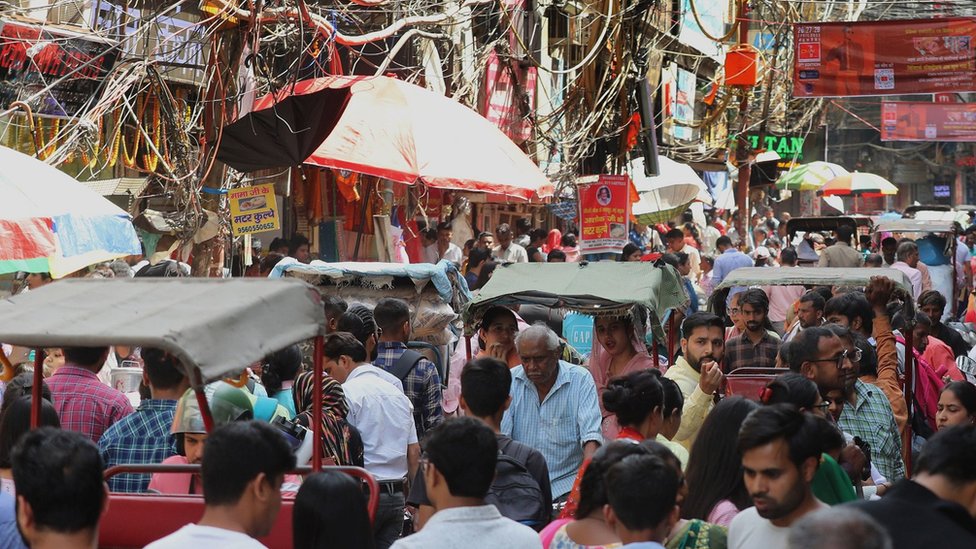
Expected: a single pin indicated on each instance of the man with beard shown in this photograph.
(809, 313)
(827, 355)
(554, 407)
(698, 371)
(780, 449)
(756, 347)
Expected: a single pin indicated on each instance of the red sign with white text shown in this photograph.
(604, 203)
(909, 121)
(884, 57)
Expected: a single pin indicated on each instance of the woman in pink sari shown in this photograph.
(618, 349)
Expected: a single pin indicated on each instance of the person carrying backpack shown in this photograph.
(421, 381)
(521, 489)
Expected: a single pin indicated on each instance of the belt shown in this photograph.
(392, 486)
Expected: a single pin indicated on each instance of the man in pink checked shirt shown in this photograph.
(84, 403)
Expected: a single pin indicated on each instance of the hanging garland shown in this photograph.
(44, 150)
(150, 160)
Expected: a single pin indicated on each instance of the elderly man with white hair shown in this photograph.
(554, 407)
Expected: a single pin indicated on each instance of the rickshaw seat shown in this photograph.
(748, 382)
(135, 520)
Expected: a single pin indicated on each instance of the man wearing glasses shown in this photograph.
(827, 355)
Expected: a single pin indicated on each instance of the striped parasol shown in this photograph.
(809, 177)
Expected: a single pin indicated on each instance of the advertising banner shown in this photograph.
(70, 64)
(678, 87)
(909, 121)
(884, 57)
(604, 213)
(253, 209)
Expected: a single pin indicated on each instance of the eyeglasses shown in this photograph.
(839, 359)
(823, 406)
(734, 311)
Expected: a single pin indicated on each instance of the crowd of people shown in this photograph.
(545, 448)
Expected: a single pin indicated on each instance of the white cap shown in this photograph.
(762, 252)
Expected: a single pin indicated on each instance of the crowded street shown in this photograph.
(374, 274)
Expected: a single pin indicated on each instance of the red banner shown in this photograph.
(906, 121)
(604, 213)
(884, 57)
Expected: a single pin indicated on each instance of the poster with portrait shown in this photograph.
(910, 121)
(884, 57)
(604, 203)
(253, 209)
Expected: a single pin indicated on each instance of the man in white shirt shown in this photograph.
(444, 248)
(780, 453)
(242, 477)
(508, 251)
(459, 468)
(907, 258)
(676, 243)
(384, 417)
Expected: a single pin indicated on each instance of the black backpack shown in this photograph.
(515, 492)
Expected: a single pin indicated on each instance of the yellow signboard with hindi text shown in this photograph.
(253, 209)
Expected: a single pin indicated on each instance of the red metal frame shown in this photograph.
(35, 416)
(372, 502)
(317, 407)
(909, 388)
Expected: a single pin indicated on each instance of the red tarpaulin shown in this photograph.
(908, 121)
(884, 57)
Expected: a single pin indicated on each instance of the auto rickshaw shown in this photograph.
(216, 328)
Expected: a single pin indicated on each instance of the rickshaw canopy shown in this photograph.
(214, 327)
(828, 223)
(811, 276)
(444, 276)
(593, 288)
(915, 226)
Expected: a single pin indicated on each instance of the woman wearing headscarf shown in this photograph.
(341, 441)
(618, 350)
(554, 241)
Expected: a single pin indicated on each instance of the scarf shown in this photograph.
(336, 432)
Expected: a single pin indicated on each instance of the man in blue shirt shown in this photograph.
(554, 407)
(728, 260)
(143, 437)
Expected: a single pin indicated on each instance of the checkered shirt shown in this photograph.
(422, 385)
(84, 403)
(740, 352)
(141, 438)
(871, 419)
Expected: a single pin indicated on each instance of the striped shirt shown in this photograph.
(140, 438)
(560, 425)
(871, 419)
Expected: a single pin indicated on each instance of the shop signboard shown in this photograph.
(910, 121)
(54, 70)
(604, 213)
(884, 57)
(578, 331)
(253, 209)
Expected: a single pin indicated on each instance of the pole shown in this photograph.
(909, 388)
(35, 415)
(317, 405)
(742, 148)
